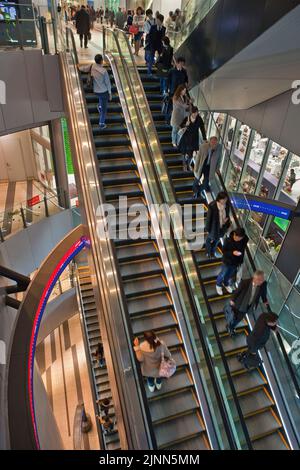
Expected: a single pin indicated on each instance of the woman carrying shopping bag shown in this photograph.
(152, 354)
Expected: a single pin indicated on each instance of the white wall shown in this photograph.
(17, 162)
(164, 6)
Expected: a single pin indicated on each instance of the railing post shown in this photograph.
(44, 35)
(1, 235)
(23, 217)
(46, 207)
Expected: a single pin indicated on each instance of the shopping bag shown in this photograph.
(167, 367)
(133, 29)
(89, 78)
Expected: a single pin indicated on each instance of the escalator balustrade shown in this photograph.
(175, 411)
(254, 394)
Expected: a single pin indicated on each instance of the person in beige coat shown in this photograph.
(207, 162)
(149, 353)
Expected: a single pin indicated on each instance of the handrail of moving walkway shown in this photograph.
(90, 174)
(223, 410)
(251, 261)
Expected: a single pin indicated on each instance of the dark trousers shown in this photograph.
(205, 173)
(103, 100)
(211, 245)
(149, 58)
(85, 36)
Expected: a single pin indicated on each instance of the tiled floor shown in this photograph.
(62, 363)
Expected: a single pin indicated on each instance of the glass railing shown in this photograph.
(23, 214)
(206, 347)
(27, 26)
(192, 14)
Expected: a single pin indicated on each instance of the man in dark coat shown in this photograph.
(258, 337)
(233, 257)
(154, 41)
(217, 214)
(83, 25)
(246, 298)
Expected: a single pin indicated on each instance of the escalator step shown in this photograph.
(111, 140)
(255, 401)
(178, 381)
(262, 424)
(109, 166)
(198, 442)
(274, 441)
(134, 270)
(106, 153)
(178, 428)
(167, 407)
(141, 286)
(155, 321)
(137, 251)
(150, 303)
(125, 177)
(248, 381)
(114, 191)
(233, 344)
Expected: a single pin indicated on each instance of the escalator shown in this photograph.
(175, 410)
(91, 321)
(254, 394)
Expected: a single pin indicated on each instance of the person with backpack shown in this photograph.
(217, 223)
(154, 42)
(101, 86)
(164, 64)
(181, 106)
(83, 25)
(246, 299)
(99, 355)
(233, 256)
(104, 405)
(189, 142)
(258, 338)
(150, 353)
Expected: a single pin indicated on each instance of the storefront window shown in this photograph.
(291, 185)
(239, 152)
(230, 133)
(41, 145)
(273, 171)
(217, 124)
(273, 238)
(258, 148)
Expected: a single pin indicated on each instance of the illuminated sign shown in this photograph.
(253, 204)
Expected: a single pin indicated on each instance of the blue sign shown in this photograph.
(271, 208)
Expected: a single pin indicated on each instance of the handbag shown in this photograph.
(180, 134)
(167, 367)
(133, 29)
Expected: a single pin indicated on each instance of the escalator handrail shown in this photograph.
(126, 317)
(217, 391)
(251, 261)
